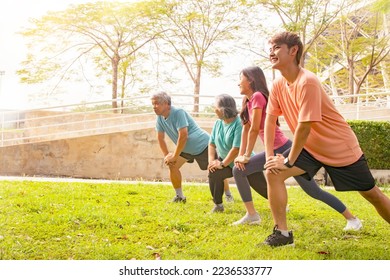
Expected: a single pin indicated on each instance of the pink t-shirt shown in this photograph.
(258, 101)
(331, 139)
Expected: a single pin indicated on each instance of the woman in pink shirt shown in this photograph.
(254, 88)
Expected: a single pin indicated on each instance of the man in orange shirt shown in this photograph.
(322, 138)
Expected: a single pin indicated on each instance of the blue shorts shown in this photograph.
(353, 177)
(202, 159)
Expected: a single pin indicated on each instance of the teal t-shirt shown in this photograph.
(198, 139)
(226, 136)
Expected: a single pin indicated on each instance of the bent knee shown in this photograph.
(275, 178)
(237, 172)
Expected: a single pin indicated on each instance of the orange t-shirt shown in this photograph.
(331, 139)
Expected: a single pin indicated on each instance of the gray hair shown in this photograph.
(227, 105)
(162, 97)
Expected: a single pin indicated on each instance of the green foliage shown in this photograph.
(115, 38)
(123, 221)
(104, 34)
(349, 53)
(373, 137)
(197, 29)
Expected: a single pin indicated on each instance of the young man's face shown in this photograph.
(161, 109)
(280, 55)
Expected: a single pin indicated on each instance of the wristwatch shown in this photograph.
(223, 166)
(287, 163)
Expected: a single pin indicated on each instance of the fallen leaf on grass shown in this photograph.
(157, 256)
(323, 253)
(124, 237)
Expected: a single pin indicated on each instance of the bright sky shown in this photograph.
(14, 16)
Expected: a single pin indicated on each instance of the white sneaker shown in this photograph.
(248, 219)
(353, 224)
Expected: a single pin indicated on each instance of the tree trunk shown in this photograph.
(115, 63)
(351, 81)
(197, 91)
(123, 88)
(333, 86)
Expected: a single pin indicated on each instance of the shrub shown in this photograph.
(373, 137)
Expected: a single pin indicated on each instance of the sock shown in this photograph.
(179, 192)
(220, 204)
(284, 232)
(228, 192)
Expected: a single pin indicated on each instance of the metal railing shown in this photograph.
(83, 119)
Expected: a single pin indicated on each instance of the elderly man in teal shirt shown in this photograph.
(191, 141)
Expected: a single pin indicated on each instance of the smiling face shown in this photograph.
(281, 56)
(245, 85)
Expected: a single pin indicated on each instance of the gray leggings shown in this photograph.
(256, 164)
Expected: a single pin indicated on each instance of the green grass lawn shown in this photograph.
(122, 221)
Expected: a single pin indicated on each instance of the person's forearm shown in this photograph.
(233, 153)
(269, 136)
(211, 152)
(300, 137)
(164, 148)
(163, 145)
(252, 137)
(181, 143)
(244, 139)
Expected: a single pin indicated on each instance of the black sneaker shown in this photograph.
(179, 199)
(278, 239)
(218, 209)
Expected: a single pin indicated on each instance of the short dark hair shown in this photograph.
(290, 39)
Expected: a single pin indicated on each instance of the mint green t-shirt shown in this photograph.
(226, 136)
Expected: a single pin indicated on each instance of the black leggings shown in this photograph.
(256, 181)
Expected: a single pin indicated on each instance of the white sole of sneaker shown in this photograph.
(250, 223)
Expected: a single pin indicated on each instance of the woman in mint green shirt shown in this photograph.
(224, 146)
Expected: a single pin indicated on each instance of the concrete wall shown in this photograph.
(131, 155)
(128, 155)
(124, 155)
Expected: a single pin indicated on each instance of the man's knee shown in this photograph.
(174, 168)
(274, 178)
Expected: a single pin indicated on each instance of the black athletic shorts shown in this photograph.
(202, 159)
(353, 177)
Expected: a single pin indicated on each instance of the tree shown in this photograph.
(354, 50)
(109, 33)
(364, 41)
(199, 32)
(308, 18)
